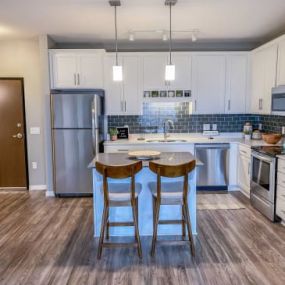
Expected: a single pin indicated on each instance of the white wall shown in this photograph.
(20, 58)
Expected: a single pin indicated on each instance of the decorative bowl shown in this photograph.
(271, 138)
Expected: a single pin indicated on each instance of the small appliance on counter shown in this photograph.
(256, 135)
(263, 179)
(247, 130)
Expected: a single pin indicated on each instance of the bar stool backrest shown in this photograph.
(118, 172)
(172, 171)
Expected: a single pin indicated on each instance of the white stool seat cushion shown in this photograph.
(169, 190)
(122, 191)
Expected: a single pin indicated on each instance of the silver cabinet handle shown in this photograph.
(122, 150)
(261, 100)
(125, 106)
(78, 79)
(243, 151)
(74, 78)
(229, 105)
(248, 168)
(18, 136)
(122, 108)
(195, 105)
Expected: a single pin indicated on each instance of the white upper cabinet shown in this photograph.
(76, 69)
(263, 78)
(208, 80)
(236, 83)
(123, 98)
(281, 63)
(154, 71)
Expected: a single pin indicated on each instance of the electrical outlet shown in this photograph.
(34, 165)
(214, 127)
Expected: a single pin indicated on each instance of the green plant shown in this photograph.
(113, 132)
(247, 132)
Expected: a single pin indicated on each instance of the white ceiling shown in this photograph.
(92, 20)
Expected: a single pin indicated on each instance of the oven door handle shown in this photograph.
(262, 158)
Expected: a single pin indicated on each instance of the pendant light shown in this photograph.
(117, 69)
(170, 68)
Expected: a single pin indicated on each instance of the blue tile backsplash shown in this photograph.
(154, 115)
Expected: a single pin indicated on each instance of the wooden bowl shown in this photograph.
(271, 138)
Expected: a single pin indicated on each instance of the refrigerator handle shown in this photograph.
(95, 130)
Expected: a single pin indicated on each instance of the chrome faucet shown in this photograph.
(168, 124)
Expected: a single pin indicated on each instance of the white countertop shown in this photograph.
(189, 138)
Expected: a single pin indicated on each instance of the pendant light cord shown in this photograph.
(116, 35)
(170, 33)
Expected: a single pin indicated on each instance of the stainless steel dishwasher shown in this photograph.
(213, 175)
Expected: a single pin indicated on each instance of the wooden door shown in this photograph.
(13, 160)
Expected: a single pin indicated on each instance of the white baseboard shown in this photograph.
(50, 194)
(37, 187)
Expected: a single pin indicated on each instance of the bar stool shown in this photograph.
(171, 193)
(119, 195)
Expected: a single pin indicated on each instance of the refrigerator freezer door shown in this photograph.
(72, 111)
(73, 151)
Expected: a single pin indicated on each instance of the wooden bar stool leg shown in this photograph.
(154, 237)
(183, 223)
(189, 228)
(108, 226)
(137, 215)
(134, 206)
(153, 214)
(103, 226)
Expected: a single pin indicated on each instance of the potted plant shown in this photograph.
(247, 134)
(113, 134)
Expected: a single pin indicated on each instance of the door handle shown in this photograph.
(74, 78)
(18, 136)
(78, 79)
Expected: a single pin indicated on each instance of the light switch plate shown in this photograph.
(35, 131)
(206, 127)
(214, 127)
(34, 165)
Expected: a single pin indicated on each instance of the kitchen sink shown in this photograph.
(165, 141)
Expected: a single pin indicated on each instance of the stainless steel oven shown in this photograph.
(263, 183)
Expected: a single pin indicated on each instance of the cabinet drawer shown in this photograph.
(281, 165)
(281, 179)
(245, 150)
(280, 207)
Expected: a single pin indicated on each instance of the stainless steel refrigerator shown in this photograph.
(78, 133)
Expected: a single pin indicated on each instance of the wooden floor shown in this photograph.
(50, 241)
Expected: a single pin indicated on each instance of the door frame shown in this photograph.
(21, 79)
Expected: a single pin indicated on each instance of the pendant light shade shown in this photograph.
(170, 68)
(117, 69)
(117, 73)
(170, 72)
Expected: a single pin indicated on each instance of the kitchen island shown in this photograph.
(145, 198)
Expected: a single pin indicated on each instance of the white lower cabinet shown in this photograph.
(124, 148)
(280, 192)
(244, 166)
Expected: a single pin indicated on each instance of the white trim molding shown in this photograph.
(37, 187)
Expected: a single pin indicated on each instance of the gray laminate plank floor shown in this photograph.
(50, 241)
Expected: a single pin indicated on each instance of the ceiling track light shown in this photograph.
(170, 68)
(117, 69)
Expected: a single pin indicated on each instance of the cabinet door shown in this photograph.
(244, 173)
(90, 70)
(132, 93)
(270, 66)
(257, 82)
(154, 71)
(64, 70)
(236, 85)
(281, 63)
(113, 90)
(182, 72)
(209, 83)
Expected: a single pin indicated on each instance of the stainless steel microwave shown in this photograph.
(278, 100)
